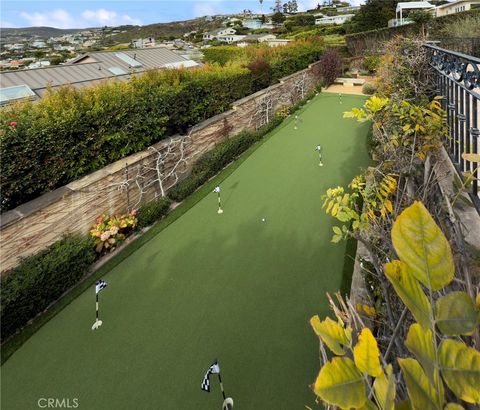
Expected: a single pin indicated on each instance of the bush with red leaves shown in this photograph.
(330, 66)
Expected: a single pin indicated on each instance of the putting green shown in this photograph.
(212, 286)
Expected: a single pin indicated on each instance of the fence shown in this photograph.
(458, 81)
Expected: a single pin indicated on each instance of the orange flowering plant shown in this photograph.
(110, 231)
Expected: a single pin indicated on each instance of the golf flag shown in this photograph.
(99, 286)
(213, 369)
(217, 189)
(318, 148)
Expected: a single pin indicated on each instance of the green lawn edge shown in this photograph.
(10, 346)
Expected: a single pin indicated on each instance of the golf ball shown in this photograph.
(263, 219)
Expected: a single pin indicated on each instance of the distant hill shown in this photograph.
(36, 31)
(158, 30)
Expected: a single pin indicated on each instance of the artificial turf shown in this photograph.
(212, 286)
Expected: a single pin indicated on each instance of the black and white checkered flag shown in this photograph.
(213, 369)
(99, 286)
(217, 189)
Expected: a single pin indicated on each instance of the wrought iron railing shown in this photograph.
(458, 81)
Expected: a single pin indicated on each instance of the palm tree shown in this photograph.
(261, 5)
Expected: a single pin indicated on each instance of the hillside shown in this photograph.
(36, 31)
(165, 30)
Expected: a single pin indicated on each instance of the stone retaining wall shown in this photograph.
(136, 179)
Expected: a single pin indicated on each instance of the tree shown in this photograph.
(372, 15)
(290, 7)
(422, 18)
(278, 18)
(278, 6)
(261, 6)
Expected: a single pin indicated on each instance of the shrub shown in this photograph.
(222, 54)
(39, 280)
(187, 186)
(110, 231)
(261, 73)
(371, 63)
(369, 89)
(152, 211)
(330, 66)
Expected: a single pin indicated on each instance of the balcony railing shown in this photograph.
(458, 81)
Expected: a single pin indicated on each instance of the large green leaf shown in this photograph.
(332, 334)
(453, 406)
(460, 368)
(366, 354)
(341, 384)
(423, 396)
(384, 386)
(456, 314)
(419, 342)
(410, 291)
(421, 244)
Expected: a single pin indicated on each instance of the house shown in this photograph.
(400, 20)
(256, 38)
(348, 9)
(232, 38)
(276, 42)
(252, 23)
(87, 69)
(456, 7)
(340, 19)
(143, 42)
(214, 34)
(39, 44)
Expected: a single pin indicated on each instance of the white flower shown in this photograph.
(114, 230)
(104, 236)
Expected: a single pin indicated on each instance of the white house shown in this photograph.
(456, 7)
(334, 19)
(219, 32)
(143, 42)
(348, 9)
(229, 39)
(400, 20)
(256, 38)
(277, 42)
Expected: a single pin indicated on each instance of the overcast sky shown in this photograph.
(81, 14)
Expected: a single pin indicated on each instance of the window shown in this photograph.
(117, 71)
(17, 92)
(129, 60)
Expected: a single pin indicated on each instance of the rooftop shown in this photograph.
(92, 68)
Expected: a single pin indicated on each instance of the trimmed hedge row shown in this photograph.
(73, 132)
(41, 279)
(152, 211)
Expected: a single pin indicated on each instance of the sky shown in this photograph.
(90, 13)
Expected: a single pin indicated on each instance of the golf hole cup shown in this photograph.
(227, 404)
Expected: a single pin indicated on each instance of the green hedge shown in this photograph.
(41, 279)
(152, 211)
(73, 132)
